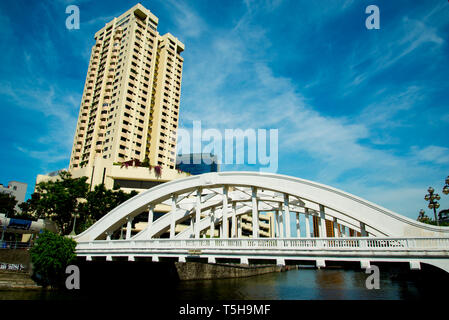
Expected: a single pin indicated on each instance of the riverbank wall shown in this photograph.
(15, 270)
(206, 271)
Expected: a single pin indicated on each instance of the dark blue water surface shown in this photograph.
(301, 284)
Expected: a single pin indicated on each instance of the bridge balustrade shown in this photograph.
(271, 244)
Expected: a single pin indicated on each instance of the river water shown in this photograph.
(301, 284)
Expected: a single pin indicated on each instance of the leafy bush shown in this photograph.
(50, 255)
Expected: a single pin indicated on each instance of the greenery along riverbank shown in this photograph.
(50, 256)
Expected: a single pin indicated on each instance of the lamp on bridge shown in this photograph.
(422, 214)
(433, 203)
(446, 186)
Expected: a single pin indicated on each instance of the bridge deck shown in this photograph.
(412, 250)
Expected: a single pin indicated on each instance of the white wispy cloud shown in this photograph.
(188, 23)
(435, 154)
(231, 85)
(403, 37)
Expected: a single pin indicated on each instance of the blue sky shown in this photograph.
(362, 110)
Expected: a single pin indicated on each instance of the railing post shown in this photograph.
(319, 243)
(362, 243)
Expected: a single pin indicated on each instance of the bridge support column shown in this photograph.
(225, 224)
(280, 261)
(173, 218)
(307, 223)
(320, 263)
(131, 258)
(108, 258)
(155, 259)
(108, 235)
(365, 264)
(197, 213)
(255, 212)
(322, 226)
(182, 259)
(128, 227)
(415, 265)
(287, 217)
(244, 260)
(211, 260)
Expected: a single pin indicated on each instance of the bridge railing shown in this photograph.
(271, 243)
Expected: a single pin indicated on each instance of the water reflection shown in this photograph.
(302, 284)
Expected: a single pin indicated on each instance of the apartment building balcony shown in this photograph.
(125, 127)
(135, 174)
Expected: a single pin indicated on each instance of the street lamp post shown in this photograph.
(74, 215)
(433, 203)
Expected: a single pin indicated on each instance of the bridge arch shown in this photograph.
(215, 203)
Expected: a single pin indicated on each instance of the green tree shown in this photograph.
(99, 202)
(58, 200)
(32, 207)
(7, 204)
(50, 256)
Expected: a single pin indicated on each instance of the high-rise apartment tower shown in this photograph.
(130, 104)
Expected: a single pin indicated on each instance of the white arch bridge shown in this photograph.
(309, 222)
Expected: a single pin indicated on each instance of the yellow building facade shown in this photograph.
(130, 104)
